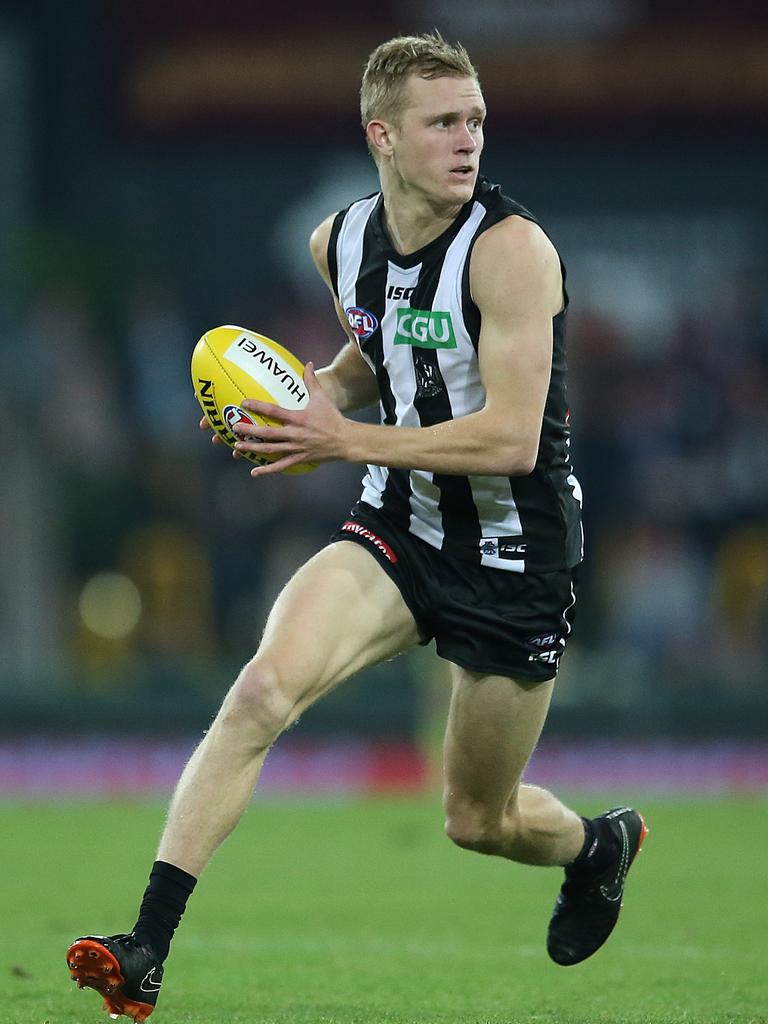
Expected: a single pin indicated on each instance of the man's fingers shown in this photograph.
(265, 448)
(205, 424)
(246, 431)
(278, 466)
(272, 412)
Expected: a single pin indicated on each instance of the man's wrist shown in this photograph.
(327, 379)
(351, 442)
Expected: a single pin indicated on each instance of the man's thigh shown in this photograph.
(337, 614)
(493, 726)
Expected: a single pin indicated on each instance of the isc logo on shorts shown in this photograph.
(548, 647)
(503, 547)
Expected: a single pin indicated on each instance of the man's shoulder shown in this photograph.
(322, 241)
(318, 240)
(509, 228)
(512, 239)
(498, 203)
(512, 260)
(368, 202)
(322, 234)
(333, 219)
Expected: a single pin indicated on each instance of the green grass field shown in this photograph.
(359, 912)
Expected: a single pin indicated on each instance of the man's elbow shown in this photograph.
(521, 459)
(522, 468)
(516, 444)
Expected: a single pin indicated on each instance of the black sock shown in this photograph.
(599, 848)
(164, 901)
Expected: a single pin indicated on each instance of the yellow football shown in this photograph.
(230, 364)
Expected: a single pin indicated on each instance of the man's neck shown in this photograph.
(412, 221)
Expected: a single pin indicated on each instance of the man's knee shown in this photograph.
(258, 702)
(473, 826)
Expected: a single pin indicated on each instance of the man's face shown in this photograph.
(438, 142)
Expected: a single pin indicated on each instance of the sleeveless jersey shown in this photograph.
(418, 329)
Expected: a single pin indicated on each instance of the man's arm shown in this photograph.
(516, 282)
(348, 380)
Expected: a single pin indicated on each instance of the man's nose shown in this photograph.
(466, 141)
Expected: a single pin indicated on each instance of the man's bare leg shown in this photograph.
(494, 724)
(339, 613)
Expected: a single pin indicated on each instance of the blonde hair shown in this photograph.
(382, 92)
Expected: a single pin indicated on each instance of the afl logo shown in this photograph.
(362, 322)
(232, 414)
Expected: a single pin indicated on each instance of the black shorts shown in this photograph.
(483, 619)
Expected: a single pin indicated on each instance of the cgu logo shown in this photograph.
(424, 328)
(362, 322)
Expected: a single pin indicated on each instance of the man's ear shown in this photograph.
(379, 137)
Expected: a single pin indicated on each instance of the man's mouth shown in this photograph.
(464, 171)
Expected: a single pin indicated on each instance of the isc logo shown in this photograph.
(396, 291)
(362, 322)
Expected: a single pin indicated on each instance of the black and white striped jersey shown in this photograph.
(418, 329)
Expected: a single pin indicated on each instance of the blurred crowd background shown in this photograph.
(162, 166)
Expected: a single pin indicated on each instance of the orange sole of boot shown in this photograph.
(643, 832)
(91, 965)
